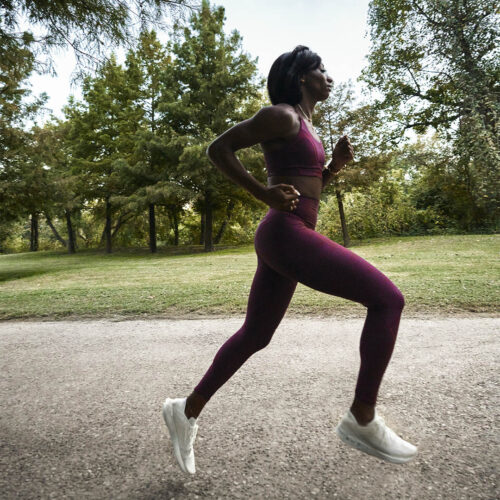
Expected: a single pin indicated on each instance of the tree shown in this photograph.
(102, 131)
(332, 121)
(214, 87)
(436, 63)
(337, 116)
(65, 203)
(90, 27)
(148, 173)
(16, 65)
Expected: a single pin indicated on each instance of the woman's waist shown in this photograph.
(306, 211)
(310, 187)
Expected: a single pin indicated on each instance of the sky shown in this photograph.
(336, 29)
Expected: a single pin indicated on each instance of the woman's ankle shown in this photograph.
(194, 404)
(363, 412)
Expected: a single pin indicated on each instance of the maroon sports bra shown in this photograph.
(301, 155)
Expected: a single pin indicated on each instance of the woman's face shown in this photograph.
(318, 83)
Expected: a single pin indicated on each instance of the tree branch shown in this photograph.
(417, 7)
(430, 123)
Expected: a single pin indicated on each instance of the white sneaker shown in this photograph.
(375, 439)
(182, 432)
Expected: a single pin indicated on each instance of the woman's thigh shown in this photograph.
(304, 255)
(270, 295)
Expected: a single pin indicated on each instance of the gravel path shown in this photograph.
(81, 411)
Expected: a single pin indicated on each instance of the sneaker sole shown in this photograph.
(359, 445)
(168, 416)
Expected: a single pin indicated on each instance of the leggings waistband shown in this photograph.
(306, 209)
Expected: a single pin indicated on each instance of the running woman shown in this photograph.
(289, 250)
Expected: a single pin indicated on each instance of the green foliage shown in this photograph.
(447, 185)
(102, 128)
(214, 84)
(138, 137)
(337, 116)
(18, 181)
(417, 194)
(148, 171)
(89, 27)
(436, 63)
(429, 57)
(379, 211)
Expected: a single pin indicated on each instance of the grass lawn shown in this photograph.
(446, 274)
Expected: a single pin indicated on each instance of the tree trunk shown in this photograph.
(54, 230)
(202, 228)
(209, 247)
(107, 227)
(340, 203)
(176, 227)
(121, 220)
(34, 233)
(152, 228)
(224, 224)
(71, 233)
(345, 233)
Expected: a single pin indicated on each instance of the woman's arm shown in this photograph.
(269, 123)
(328, 175)
(342, 154)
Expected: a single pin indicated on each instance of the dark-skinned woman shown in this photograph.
(289, 250)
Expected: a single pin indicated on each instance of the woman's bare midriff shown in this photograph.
(310, 187)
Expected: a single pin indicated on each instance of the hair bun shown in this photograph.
(299, 48)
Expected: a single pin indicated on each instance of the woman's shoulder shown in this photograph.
(282, 117)
(281, 111)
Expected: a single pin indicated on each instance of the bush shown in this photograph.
(370, 215)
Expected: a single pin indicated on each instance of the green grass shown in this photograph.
(447, 274)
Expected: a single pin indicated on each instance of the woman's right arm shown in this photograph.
(269, 123)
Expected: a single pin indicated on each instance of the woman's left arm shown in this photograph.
(342, 154)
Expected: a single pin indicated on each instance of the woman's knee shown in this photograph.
(390, 299)
(395, 299)
(256, 338)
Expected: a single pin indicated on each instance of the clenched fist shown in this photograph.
(342, 154)
(282, 197)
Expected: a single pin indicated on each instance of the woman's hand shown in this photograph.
(282, 197)
(342, 154)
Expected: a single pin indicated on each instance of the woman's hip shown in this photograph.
(306, 210)
(287, 245)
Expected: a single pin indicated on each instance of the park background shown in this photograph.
(124, 302)
(109, 205)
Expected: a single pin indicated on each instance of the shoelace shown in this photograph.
(388, 435)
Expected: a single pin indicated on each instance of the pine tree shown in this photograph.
(213, 86)
(102, 132)
(89, 27)
(149, 171)
(65, 202)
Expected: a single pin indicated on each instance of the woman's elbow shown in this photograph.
(213, 150)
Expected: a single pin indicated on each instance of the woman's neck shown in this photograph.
(307, 105)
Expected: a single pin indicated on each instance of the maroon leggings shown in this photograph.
(289, 250)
